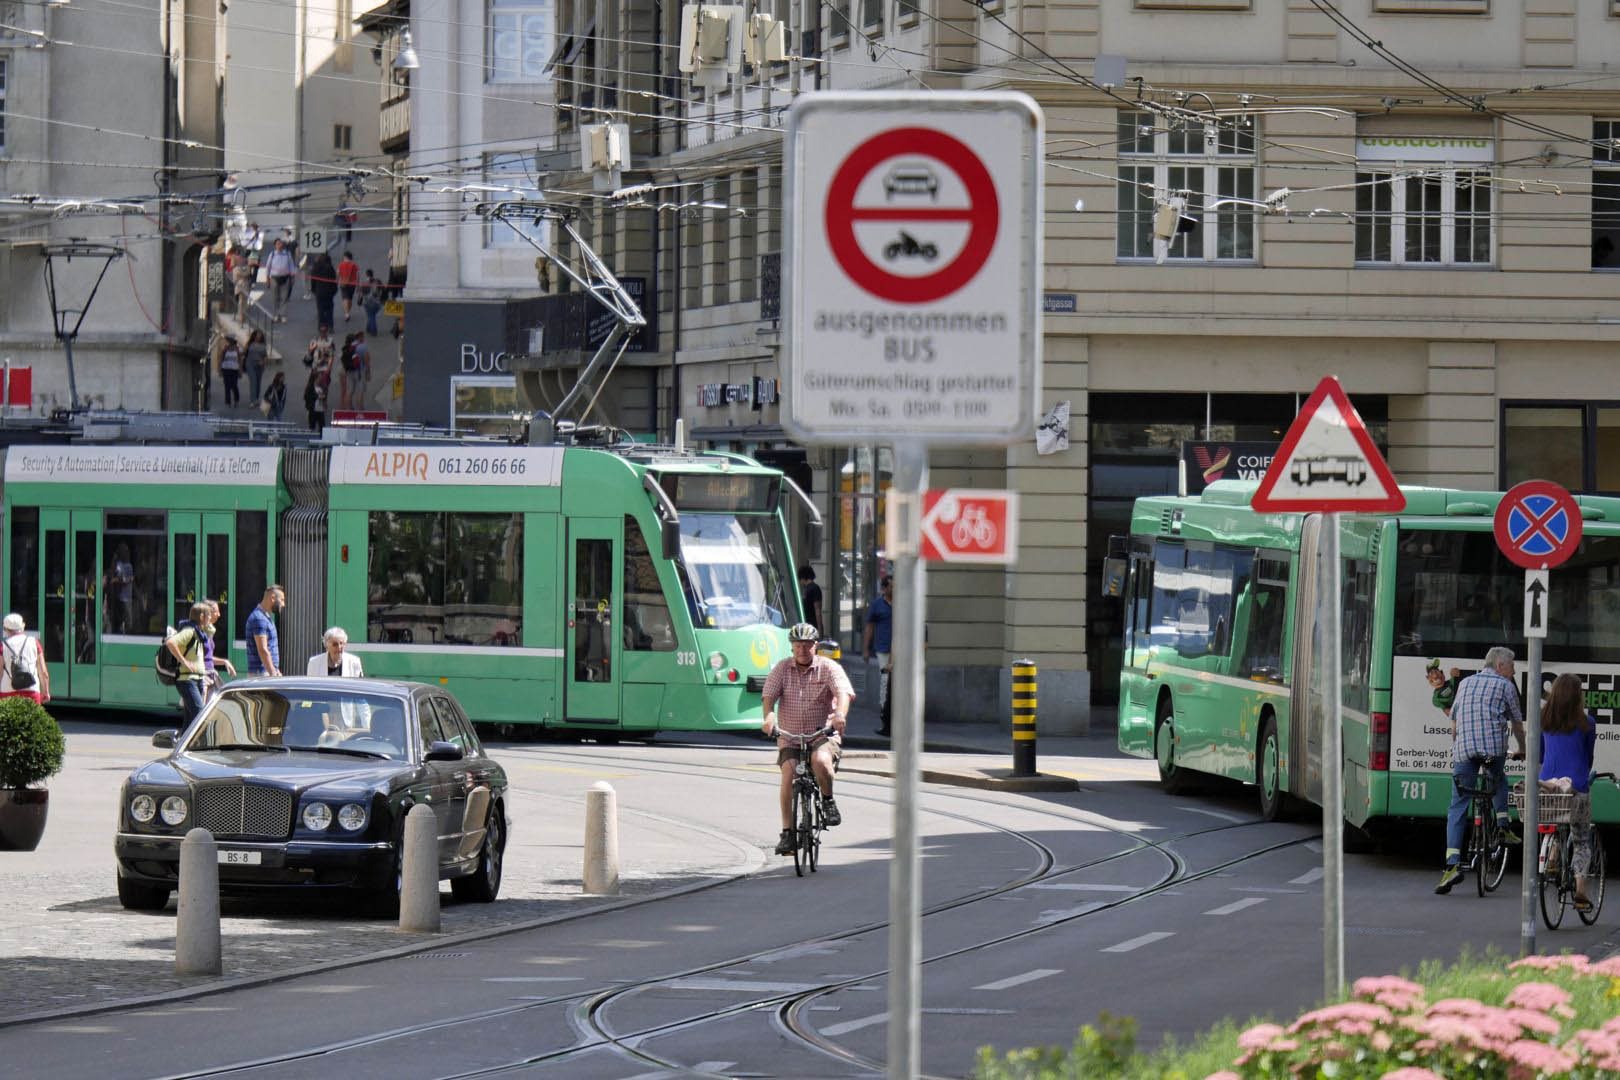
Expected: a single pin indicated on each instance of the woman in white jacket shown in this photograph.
(336, 660)
(22, 654)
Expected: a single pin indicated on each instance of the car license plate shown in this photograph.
(240, 858)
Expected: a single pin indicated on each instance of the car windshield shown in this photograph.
(370, 725)
(734, 569)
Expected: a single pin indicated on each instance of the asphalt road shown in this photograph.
(1040, 911)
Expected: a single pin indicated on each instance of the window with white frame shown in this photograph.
(872, 16)
(520, 40)
(513, 170)
(1203, 164)
(1415, 212)
(1605, 194)
(485, 404)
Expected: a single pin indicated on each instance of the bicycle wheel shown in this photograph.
(1553, 895)
(802, 833)
(1496, 856)
(1479, 845)
(1594, 881)
(815, 833)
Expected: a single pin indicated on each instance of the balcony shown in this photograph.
(394, 125)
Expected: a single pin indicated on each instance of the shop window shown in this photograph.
(1576, 444)
(1438, 217)
(485, 404)
(445, 579)
(135, 548)
(1204, 164)
(647, 625)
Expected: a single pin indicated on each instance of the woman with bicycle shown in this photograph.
(1568, 741)
(803, 694)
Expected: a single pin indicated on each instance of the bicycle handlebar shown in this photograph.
(803, 740)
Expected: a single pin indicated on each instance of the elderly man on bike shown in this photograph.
(804, 694)
(1485, 709)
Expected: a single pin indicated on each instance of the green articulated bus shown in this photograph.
(623, 589)
(1221, 674)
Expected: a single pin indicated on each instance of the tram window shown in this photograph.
(24, 590)
(738, 570)
(219, 575)
(84, 597)
(647, 625)
(135, 554)
(593, 610)
(185, 575)
(445, 579)
(405, 578)
(252, 561)
(54, 628)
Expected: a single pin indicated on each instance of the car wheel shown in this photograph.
(484, 884)
(138, 896)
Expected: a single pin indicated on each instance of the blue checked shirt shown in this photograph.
(1486, 705)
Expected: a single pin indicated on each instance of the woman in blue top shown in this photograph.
(1568, 739)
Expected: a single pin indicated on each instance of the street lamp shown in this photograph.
(62, 310)
(407, 59)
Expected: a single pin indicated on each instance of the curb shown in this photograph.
(983, 779)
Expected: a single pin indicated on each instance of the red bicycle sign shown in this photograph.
(966, 525)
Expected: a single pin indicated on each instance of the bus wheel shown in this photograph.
(1174, 779)
(1268, 774)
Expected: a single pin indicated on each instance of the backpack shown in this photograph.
(165, 664)
(21, 677)
(350, 363)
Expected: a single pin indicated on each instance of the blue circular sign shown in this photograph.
(1538, 524)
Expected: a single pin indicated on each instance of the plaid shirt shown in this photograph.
(805, 696)
(1485, 705)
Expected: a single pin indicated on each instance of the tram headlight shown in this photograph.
(317, 817)
(717, 661)
(143, 808)
(173, 810)
(352, 817)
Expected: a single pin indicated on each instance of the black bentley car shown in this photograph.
(305, 782)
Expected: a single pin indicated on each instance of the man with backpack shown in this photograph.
(192, 676)
(23, 674)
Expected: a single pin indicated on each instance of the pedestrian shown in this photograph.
(187, 646)
(230, 369)
(348, 276)
(810, 597)
(253, 241)
(263, 648)
(282, 269)
(813, 692)
(254, 357)
(372, 302)
(242, 270)
(346, 364)
(343, 223)
(321, 348)
(1485, 709)
(335, 660)
(323, 284)
(275, 397)
(24, 673)
(315, 393)
(211, 661)
(358, 373)
(1568, 742)
(878, 636)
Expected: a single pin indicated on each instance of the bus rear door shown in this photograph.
(594, 645)
(72, 617)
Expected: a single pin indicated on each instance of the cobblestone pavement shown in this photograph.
(66, 943)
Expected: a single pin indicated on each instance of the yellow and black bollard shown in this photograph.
(1024, 685)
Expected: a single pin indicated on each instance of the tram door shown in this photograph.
(200, 545)
(71, 620)
(594, 648)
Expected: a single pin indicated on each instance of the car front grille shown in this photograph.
(244, 810)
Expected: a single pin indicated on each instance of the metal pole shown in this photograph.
(1532, 800)
(1332, 769)
(73, 384)
(1024, 703)
(906, 686)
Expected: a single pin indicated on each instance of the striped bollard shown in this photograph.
(1023, 717)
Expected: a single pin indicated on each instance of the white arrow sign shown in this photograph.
(1535, 603)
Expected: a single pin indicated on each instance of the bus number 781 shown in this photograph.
(1415, 789)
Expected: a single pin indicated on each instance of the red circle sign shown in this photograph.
(982, 214)
(1538, 524)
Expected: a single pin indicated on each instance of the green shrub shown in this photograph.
(31, 743)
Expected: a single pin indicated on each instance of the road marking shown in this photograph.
(794, 952)
(627, 943)
(533, 978)
(701, 1067)
(1138, 942)
(1236, 905)
(1265, 889)
(1313, 874)
(552, 960)
(1216, 814)
(695, 928)
(971, 1012)
(81, 1029)
(1314, 845)
(1019, 980)
(324, 989)
(854, 1025)
(1053, 915)
(1081, 887)
(746, 985)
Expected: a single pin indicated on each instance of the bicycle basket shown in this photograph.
(1553, 807)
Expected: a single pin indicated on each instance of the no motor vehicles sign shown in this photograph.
(914, 245)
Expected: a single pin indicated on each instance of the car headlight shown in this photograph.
(317, 817)
(352, 817)
(173, 810)
(143, 808)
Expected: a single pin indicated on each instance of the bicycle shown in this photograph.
(1485, 849)
(1555, 860)
(807, 808)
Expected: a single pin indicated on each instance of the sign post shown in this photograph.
(913, 240)
(1327, 463)
(1537, 526)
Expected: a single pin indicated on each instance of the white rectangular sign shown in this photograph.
(141, 465)
(912, 277)
(471, 466)
(1535, 603)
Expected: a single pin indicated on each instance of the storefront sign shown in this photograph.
(1060, 303)
(476, 361)
(755, 394)
(474, 466)
(1424, 148)
(141, 465)
(1207, 462)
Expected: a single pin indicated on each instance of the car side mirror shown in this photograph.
(164, 740)
(439, 750)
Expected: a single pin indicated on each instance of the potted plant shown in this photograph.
(31, 748)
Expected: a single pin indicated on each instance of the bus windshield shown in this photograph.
(1456, 595)
(735, 570)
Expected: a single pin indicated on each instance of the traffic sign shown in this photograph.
(1327, 461)
(1538, 525)
(1535, 603)
(913, 242)
(965, 525)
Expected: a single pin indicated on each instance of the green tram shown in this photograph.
(622, 589)
(1221, 673)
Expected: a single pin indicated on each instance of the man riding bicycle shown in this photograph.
(812, 692)
(1485, 709)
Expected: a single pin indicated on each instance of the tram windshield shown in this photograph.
(735, 571)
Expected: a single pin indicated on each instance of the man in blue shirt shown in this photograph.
(879, 635)
(264, 651)
(1485, 709)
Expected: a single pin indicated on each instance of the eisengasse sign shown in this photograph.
(913, 246)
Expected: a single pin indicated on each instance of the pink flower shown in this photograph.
(1531, 1020)
(1411, 1072)
(1458, 1007)
(1598, 1042)
(1538, 1056)
(1364, 1011)
(1610, 967)
(1259, 1037)
(1539, 996)
(1572, 961)
(1353, 1027)
(1224, 1074)
(1373, 985)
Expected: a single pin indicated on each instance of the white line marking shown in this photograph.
(1138, 942)
(1236, 905)
(1313, 874)
(854, 1025)
(1265, 889)
(1082, 887)
(533, 978)
(970, 1012)
(1215, 814)
(1314, 845)
(1019, 980)
(1052, 915)
(668, 1074)
(745, 985)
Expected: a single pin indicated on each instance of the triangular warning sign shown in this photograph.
(1328, 462)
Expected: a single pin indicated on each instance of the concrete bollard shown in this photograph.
(419, 889)
(196, 929)
(1024, 702)
(601, 840)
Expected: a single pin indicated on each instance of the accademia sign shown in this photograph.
(1424, 148)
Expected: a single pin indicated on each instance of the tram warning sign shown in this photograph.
(1537, 525)
(912, 275)
(1327, 462)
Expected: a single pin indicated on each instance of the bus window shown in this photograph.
(135, 555)
(647, 625)
(24, 591)
(1260, 651)
(738, 570)
(1169, 565)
